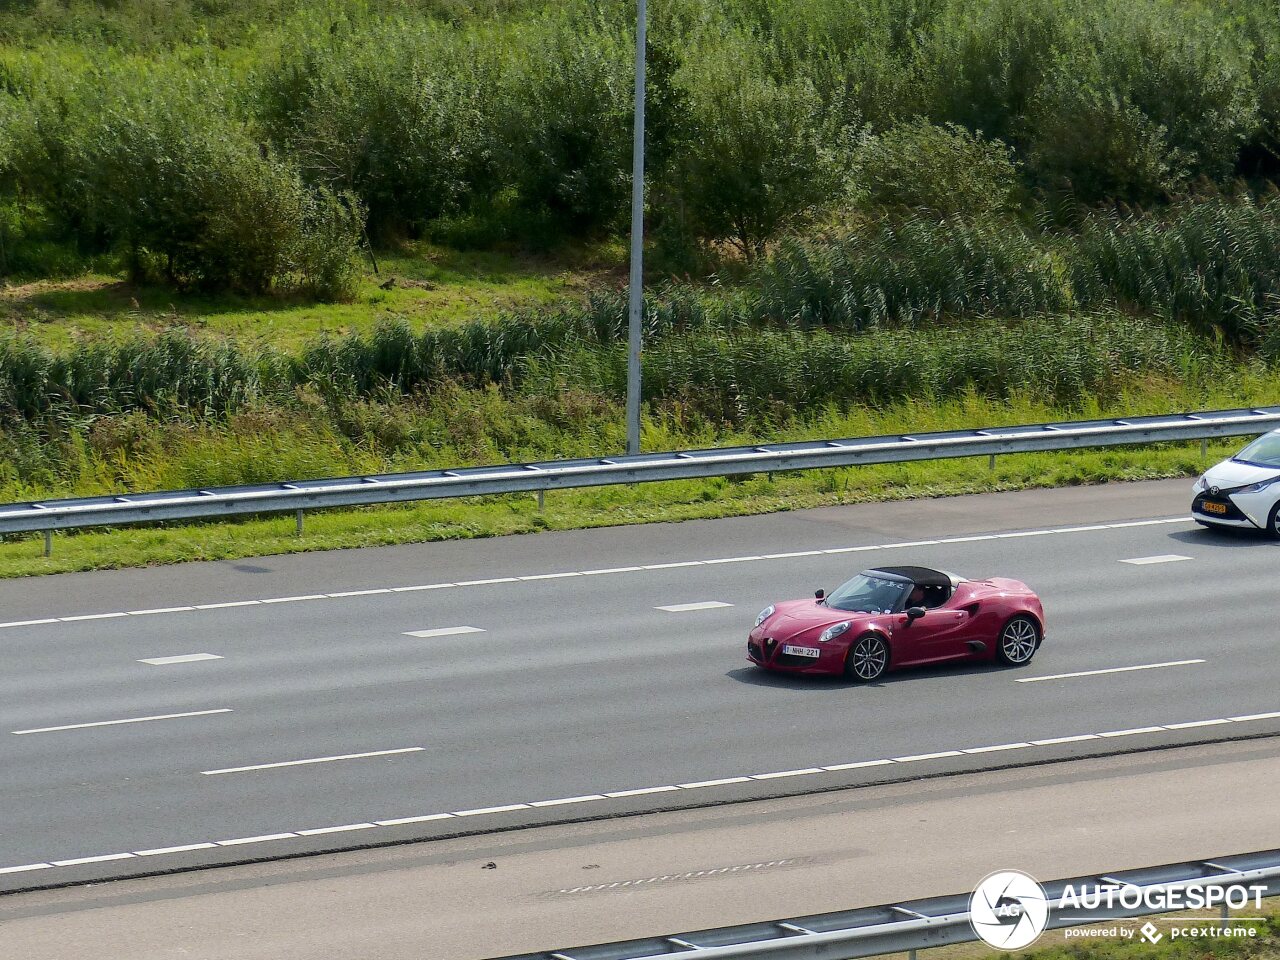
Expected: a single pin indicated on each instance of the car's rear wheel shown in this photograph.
(867, 659)
(1018, 641)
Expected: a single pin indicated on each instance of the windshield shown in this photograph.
(1264, 452)
(870, 593)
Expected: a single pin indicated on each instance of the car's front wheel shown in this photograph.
(868, 659)
(1273, 522)
(1018, 641)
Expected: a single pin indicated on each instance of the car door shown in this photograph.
(939, 635)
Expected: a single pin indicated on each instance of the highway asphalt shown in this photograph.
(558, 887)
(311, 721)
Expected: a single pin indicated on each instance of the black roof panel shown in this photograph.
(923, 576)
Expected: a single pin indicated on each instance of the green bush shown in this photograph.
(155, 165)
(942, 168)
(759, 157)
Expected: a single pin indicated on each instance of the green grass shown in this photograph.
(434, 286)
(607, 506)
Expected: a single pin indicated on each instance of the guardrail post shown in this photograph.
(1226, 913)
(298, 531)
(542, 502)
(991, 462)
(48, 543)
(1204, 448)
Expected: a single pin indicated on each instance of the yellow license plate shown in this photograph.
(1214, 507)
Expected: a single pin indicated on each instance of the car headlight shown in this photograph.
(765, 614)
(833, 631)
(1260, 485)
(1201, 485)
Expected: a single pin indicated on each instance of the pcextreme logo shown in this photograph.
(1008, 910)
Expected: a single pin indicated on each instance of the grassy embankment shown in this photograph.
(1010, 211)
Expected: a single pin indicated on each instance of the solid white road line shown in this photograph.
(1096, 673)
(604, 797)
(1163, 558)
(112, 723)
(300, 763)
(687, 607)
(184, 848)
(240, 841)
(185, 658)
(103, 859)
(442, 632)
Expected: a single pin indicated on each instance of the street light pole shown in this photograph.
(636, 292)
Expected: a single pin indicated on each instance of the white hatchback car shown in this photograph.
(1243, 491)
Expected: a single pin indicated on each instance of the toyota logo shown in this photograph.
(1215, 490)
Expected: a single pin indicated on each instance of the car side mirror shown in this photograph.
(914, 613)
(819, 594)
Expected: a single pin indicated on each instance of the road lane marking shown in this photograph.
(691, 875)
(997, 748)
(105, 858)
(301, 763)
(113, 723)
(481, 811)
(1130, 732)
(184, 658)
(576, 573)
(183, 848)
(400, 821)
(622, 794)
(687, 607)
(724, 781)
(443, 632)
(617, 794)
(240, 841)
(858, 765)
(1097, 673)
(1162, 558)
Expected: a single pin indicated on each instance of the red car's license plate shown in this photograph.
(1210, 507)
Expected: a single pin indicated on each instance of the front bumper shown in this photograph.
(1237, 510)
(767, 652)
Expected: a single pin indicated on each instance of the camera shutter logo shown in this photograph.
(1008, 910)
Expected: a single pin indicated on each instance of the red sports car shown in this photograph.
(894, 617)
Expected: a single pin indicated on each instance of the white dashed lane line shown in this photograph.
(302, 763)
(443, 632)
(689, 607)
(605, 797)
(1163, 558)
(113, 723)
(751, 558)
(1098, 673)
(184, 658)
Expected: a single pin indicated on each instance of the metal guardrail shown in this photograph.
(916, 925)
(561, 474)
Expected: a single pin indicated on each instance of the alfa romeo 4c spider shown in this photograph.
(893, 617)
